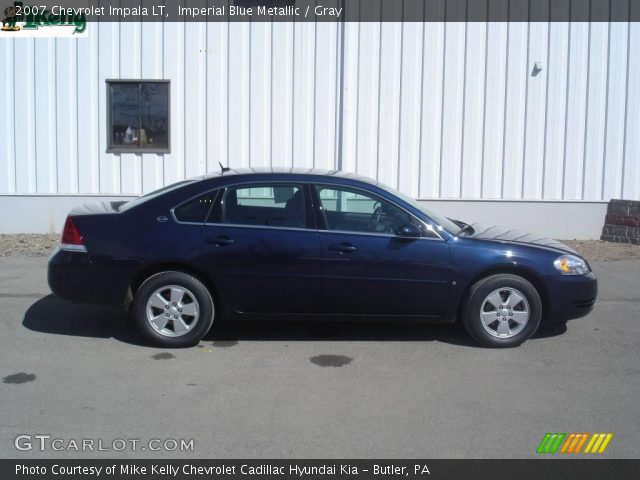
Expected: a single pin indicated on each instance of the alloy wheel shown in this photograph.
(172, 310)
(504, 312)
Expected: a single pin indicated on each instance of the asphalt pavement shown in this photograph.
(295, 390)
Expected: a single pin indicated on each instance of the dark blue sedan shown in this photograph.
(310, 245)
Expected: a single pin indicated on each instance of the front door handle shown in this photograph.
(342, 247)
(219, 241)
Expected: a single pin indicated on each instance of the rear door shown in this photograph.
(368, 269)
(261, 248)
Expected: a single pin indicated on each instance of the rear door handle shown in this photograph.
(342, 247)
(219, 241)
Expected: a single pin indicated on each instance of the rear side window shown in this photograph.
(197, 209)
(280, 205)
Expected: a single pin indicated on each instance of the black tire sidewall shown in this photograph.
(199, 290)
(478, 293)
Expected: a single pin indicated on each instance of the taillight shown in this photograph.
(71, 238)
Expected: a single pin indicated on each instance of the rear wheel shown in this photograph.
(173, 309)
(502, 311)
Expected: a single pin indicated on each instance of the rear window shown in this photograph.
(151, 195)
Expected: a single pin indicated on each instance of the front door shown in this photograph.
(368, 269)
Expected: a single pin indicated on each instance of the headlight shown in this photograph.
(571, 265)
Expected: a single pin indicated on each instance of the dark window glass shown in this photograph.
(263, 205)
(196, 210)
(354, 211)
(139, 116)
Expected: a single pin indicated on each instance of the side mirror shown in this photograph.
(409, 230)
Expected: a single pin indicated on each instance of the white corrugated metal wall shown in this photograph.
(441, 110)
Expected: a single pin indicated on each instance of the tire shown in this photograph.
(185, 317)
(510, 323)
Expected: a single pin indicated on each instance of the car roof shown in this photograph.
(287, 171)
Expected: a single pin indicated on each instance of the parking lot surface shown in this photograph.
(313, 390)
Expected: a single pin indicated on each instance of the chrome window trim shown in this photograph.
(388, 235)
(262, 227)
(315, 230)
(304, 182)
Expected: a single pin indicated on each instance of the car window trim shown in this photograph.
(375, 196)
(388, 235)
(310, 196)
(262, 227)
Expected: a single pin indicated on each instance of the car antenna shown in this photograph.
(222, 168)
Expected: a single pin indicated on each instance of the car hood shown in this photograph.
(493, 232)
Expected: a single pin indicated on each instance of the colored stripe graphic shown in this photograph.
(598, 443)
(550, 442)
(573, 442)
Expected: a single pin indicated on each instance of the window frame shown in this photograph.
(138, 150)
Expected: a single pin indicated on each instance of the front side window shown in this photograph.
(263, 205)
(354, 211)
(138, 116)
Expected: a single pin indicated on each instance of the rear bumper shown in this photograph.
(84, 278)
(570, 296)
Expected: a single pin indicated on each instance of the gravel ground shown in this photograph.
(599, 251)
(30, 245)
(33, 245)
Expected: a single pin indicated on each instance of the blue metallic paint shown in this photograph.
(268, 270)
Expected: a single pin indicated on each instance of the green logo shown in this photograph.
(34, 17)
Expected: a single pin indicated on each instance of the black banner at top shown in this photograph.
(320, 10)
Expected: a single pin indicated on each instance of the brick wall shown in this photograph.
(622, 223)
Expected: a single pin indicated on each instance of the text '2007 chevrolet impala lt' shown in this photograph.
(310, 245)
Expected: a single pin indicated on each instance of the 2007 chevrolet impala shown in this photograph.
(310, 244)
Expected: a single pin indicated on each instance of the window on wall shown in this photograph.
(138, 116)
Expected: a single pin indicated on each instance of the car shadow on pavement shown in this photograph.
(59, 317)
(353, 331)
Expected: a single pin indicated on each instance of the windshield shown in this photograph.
(442, 222)
(148, 196)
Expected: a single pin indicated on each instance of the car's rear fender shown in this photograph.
(148, 270)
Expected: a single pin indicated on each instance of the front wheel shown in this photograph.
(502, 311)
(173, 309)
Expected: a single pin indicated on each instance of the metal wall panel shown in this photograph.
(439, 110)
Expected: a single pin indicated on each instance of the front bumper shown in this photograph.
(570, 296)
